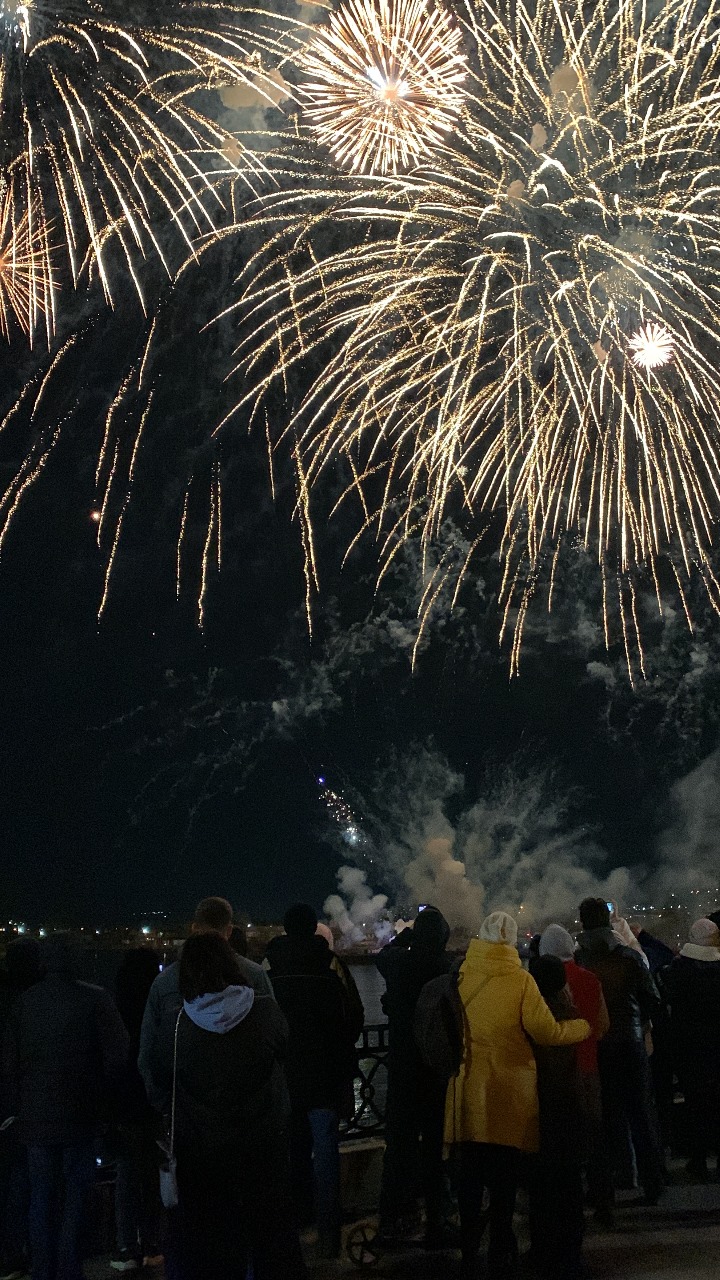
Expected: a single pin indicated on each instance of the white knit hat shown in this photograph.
(556, 941)
(499, 927)
(704, 933)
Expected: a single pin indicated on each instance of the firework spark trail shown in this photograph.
(27, 287)
(121, 518)
(341, 813)
(101, 140)
(212, 549)
(34, 393)
(530, 323)
(382, 83)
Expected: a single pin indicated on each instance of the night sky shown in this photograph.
(146, 762)
(108, 729)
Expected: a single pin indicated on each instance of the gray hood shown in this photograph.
(220, 1011)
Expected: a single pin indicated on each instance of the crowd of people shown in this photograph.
(238, 1076)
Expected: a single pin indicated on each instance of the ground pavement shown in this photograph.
(679, 1239)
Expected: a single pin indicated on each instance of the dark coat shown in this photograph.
(406, 966)
(158, 1025)
(659, 955)
(563, 1123)
(65, 1055)
(692, 988)
(132, 987)
(321, 1057)
(231, 1089)
(631, 996)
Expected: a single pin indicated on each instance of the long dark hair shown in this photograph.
(208, 963)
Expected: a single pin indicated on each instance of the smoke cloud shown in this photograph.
(688, 848)
(355, 910)
(517, 847)
(436, 876)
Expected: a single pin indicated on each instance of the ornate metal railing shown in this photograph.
(370, 1084)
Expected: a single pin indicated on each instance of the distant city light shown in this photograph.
(146, 929)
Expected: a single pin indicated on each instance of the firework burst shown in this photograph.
(26, 278)
(383, 82)
(98, 132)
(532, 329)
(652, 347)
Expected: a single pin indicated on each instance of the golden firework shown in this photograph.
(26, 279)
(528, 327)
(383, 82)
(99, 130)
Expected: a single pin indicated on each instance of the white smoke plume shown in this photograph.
(689, 847)
(520, 841)
(516, 847)
(437, 877)
(356, 911)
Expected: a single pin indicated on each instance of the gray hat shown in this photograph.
(556, 941)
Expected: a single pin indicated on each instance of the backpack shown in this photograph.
(438, 1025)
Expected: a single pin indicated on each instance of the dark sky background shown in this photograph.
(91, 716)
(141, 765)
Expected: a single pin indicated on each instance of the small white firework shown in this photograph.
(384, 82)
(653, 345)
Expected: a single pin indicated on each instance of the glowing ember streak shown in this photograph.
(384, 82)
(26, 280)
(479, 310)
(653, 346)
(99, 130)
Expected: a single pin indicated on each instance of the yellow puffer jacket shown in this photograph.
(494, 1096)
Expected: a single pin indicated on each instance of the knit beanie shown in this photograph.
(499, 927)
(556, 941)
(705, 933)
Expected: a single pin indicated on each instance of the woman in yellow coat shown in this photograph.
(492, 1103)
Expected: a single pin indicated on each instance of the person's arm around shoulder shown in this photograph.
(539, 1023)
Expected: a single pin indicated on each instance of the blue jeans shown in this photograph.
(61, 1180)
(316, 1165)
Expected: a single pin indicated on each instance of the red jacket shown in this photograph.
(589, 1001)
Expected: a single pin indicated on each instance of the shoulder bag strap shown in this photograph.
(172, 1111)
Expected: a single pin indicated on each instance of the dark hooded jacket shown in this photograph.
(692, 986)
(231, 1093)
(406, 965)
(631, 996)
(321, 1060)
(563, 1127)
(65, 1055)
